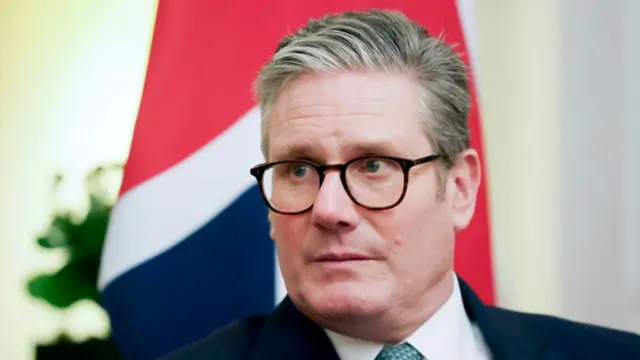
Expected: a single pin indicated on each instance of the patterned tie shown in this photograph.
(399, 352)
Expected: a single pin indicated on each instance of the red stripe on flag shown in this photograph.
(204, 58)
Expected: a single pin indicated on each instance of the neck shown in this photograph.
(398, 322)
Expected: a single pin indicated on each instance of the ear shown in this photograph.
(464, 181)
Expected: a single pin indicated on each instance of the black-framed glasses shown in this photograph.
(374, 182)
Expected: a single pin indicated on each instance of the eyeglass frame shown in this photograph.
(406, 164)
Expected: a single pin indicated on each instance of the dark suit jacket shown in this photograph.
(287, 334)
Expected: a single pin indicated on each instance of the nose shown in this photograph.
(333, 209)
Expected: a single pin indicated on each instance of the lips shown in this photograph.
(342, 256)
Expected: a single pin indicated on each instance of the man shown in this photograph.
(369, 176)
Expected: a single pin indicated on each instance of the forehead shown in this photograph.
(339, 115)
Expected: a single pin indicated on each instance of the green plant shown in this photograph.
(82, 240)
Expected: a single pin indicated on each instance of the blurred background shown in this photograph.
(560, 110)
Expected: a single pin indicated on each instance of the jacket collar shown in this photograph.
(289, 334)
(507, 336)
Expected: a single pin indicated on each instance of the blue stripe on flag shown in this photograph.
(223, 271)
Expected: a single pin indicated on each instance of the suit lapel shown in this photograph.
(505, 333)
(288, 334)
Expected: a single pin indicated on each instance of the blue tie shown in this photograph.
(400, 352)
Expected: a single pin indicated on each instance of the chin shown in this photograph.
(343, 299)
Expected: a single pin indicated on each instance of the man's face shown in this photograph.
(408, 249)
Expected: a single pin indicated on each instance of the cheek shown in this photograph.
(403, 223)
(416, 232)
(400, 232)
(288, 235)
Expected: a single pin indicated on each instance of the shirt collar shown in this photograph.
(444, 336)
(349, 348)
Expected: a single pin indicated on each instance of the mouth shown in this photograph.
(336, 257)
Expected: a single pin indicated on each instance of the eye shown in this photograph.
(299, 170)
(372, 165)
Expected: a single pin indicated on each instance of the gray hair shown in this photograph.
(377, 40)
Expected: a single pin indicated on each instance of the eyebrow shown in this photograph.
(315, 152)
(294, 151)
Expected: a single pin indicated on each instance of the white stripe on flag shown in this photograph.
(467, 14)
(162, 211)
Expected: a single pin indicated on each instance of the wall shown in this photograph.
(560, 109)
(70, 81)
(600, 161)
(518, 60)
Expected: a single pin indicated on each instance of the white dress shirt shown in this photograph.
(447, 335)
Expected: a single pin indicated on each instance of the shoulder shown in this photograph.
(231, 342)
(573, 337)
